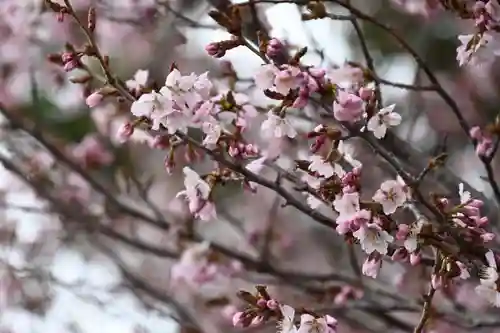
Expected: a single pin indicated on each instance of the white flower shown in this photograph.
(489, 274)
(286, 325)
(139, 80)
(154, 106)
(203, 85)
(322, 167)
(405, 187)
(176, 81)
(213, 132)
(347, 153)
(287, 79)
(384, 119)
(347, 205)
(488, 288)
(310, 324)
(465, 196)
(197, 193)
(411, 241)
(373, 238)
(264, 78)
(275, 126)
(390, 195)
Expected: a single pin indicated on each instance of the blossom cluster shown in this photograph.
(190, 113)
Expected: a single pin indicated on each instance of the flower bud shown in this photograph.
(415, 258)
(262, 303)
(272, 304)
(125, 132)
(94, 99)
(238, 319)
(475, 133)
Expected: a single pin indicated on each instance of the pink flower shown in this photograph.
(91, 153)
(139, 80)
(125, 132)
(373, 238)
(380, 122)
(194, 267)
(322, 167)
(348, 107)
(390, 195)
(197, 193)
(277, 127)
(264, 78)
(287, 79)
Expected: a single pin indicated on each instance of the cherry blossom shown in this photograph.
(287, 79)
(197, 193)
(373, 238)
(347, 152)
(277, 127)
(488, 288)
(193, 266)
(410, 234)
(264, 78)
(154, 106)
(348, 107)
(390, 196)
(139, 80)
(311, 324)
(286, 325)
(347, 205)
(380, 122)
(322, 167)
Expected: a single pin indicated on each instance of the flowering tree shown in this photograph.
(289, 198)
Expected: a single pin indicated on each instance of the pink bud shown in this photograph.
(67, 57)
(475, 133)
(476, 203)
(125, 132)
(487, 237)
(300, 102)
(94, 99)
(403, 231)
(160, 142)
(330, 321)
(69, 66)
(365, 93)
(400, 254)
(214, 50)
(317, 73)
(238, 319)
(272, 304)
(262, 303)
(482, 221)
(415, 258)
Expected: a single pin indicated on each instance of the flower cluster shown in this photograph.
(261, 308)
(479, 46)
